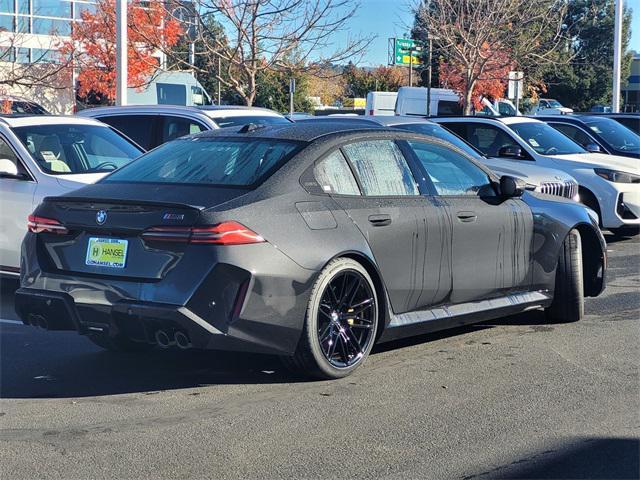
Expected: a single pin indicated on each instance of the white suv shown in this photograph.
(609, 184)
(42, 156)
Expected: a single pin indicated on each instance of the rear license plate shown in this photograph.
(107, 252)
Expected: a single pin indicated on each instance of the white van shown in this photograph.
(170, 88)
(381, 103)
(413, 101)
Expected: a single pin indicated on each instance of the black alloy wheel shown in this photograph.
(346, 318)
(341, 322)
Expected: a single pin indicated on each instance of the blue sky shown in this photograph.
(393, 18)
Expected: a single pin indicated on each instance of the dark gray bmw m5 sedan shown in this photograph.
(310, 241)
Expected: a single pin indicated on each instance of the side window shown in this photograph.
(574, 133)
(138, 128)
(171, 94)
(488, 139)
(450, 172)
(7, 155)
(334, 175)
(176, 127)
(382, 168)
(449, 108)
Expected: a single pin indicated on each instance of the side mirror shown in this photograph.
(8, 168)
(511, 187)
(593, 148)
(510, 152)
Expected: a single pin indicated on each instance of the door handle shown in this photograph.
(380, 220)
(467, 216)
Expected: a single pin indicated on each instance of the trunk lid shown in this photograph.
(105, 225)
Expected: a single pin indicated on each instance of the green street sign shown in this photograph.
(403, 50)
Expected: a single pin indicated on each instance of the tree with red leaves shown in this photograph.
(92, 46)
(487, 78)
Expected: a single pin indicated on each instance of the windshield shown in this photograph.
(229, 162)
(74, 149)
(442, 133)
(546, 140)
(615, 134)
(554, 103)
(238, 121)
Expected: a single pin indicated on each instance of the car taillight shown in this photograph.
(225, 233)
(45, 225)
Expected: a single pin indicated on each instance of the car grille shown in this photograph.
(561, 189)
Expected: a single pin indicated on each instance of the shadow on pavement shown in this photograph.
(40, 364)
(592, 458)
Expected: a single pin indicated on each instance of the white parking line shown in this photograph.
(15, 322)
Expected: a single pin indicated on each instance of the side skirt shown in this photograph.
(452, 316)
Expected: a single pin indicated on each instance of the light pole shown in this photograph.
(617, 54)
(411, 66)
(429, 79)
(121, 52)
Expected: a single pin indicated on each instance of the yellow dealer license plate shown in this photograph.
(107, 252)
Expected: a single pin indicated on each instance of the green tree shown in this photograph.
(587, 79)
(273, 91)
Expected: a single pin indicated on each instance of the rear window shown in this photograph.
(238, 121)
(209, 161)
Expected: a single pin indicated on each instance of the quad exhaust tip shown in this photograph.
(162, 339)
(182, 340)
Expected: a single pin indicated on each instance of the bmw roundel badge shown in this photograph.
(101, 217)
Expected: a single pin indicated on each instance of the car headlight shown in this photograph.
(616, 176)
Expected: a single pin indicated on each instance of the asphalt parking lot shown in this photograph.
(517, 398)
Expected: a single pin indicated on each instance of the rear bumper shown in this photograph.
(135, 320)
(250, 298)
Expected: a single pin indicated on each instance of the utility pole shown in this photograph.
(292, 90)
(617, 54)
(429, 79)
(411, 67)
(219, 83)
(121, 52)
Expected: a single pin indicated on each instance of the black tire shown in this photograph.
(119, 344)
(354, 336)
(568, 297)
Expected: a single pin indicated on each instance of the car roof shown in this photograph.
(305, 131)
(481, 118)
(139, 108)
(210, 111)
(568, 118)
(382, 120)
(609, 114)
(24, 120)
(240, 108)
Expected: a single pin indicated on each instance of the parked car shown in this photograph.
(629, 120)
(12, 104)
(543, 180)
(596, 133)
(153, 125)
(600, 109)
(609, 184)
(381, 103)
(549, 106)
(312, 241)
(43, 155)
